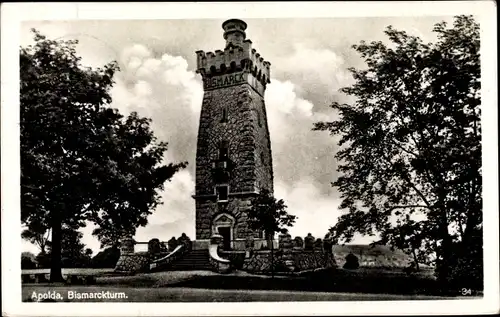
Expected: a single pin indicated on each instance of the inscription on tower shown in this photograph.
(233, 158)
(224, 81)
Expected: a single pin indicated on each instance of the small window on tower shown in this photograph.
(262, 158)
(222, 192)
(259, 119)
(224, 115)
(224, 150)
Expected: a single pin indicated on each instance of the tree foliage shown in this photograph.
(410, 147)
(269, 214)
(38, 234)
(81, 160)
(28, 261)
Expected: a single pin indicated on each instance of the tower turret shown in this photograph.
(234, 32)
(238, 56)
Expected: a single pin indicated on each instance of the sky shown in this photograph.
(309, 64)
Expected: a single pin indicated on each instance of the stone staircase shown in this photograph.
(193, 260)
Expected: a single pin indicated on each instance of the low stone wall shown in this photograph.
(237, 258)
(290, 258)
(133, 262)
(298, 261)
(260, 262)
(312, 260)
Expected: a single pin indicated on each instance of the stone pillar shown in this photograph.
(328, 244)
(298, 243)
(249, 245)
(318, 245)
(309, 242)
(154, 247)
(286, 245)
(127, 246)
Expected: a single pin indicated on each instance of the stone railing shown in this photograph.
(131, 261)
(161, 263)
(218, 264)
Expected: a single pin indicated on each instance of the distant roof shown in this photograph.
(366, 249)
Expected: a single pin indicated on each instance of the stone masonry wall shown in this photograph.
(301, 261)
(247, 135)
(310, 260)
(208, 209)
(133, 262)
(240, 131)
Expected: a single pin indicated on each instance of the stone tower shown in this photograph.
(233, 158)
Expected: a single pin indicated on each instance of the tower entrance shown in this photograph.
(225, 232)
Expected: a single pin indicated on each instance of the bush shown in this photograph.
(27, 262)
(43, 260)
(106, 258)
(351, 262)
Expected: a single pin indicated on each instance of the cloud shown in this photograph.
(176, 215)
(298, 152)
(321, 72)
(316, 212)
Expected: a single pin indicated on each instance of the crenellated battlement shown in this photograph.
(237, 56)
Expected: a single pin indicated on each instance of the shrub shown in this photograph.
(351, 262)
(27, 262)
(43, 260)
(106, 258)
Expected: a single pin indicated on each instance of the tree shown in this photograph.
(269, 215)
(81, 160)
(73, 249)
(37, 233)
(410, 146)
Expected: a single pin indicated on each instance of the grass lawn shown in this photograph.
(206, 286)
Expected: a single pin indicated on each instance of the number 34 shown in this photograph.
(466, 291)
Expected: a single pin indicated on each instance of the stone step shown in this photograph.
(194, 260)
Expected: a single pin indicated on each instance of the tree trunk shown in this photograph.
(415, 259)
(272, 256)
(446, 255)
(55, 266)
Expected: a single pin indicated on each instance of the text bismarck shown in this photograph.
(77, 295)
(223, 81)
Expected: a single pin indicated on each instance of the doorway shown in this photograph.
(225, 232)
